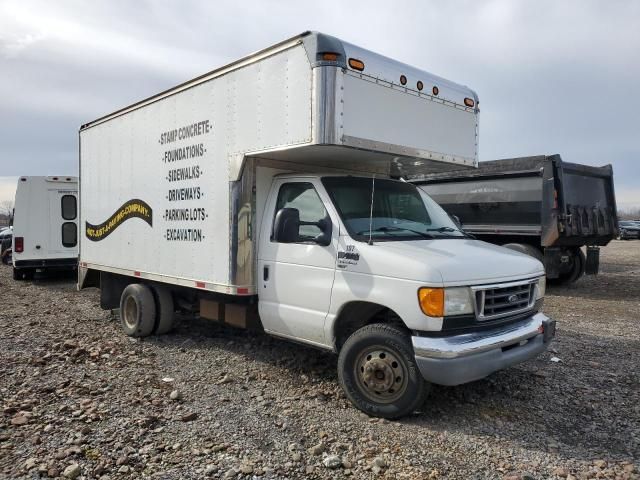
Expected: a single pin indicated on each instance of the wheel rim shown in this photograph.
(381, 375)
(130, 313)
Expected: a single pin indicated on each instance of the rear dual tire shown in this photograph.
(145, 310)
(379, 374)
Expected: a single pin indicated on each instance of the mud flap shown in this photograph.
(552, 260)
(549, 331)
(593, 261)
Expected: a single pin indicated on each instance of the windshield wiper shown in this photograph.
(450, 229)
(397, 229)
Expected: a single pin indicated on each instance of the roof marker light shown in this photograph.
(435, 90)
(403, 80)
(420, 85)
(330, 57)
(469, 102)
(356, 64)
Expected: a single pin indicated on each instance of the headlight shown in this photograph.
(439, 302)
(542, 287)
(458, 301)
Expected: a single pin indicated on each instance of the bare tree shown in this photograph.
(6, 210)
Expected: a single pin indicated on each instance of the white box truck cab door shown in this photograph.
(63, 218)
(296, 273)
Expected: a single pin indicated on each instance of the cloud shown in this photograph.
(553, 77)
(7, 188)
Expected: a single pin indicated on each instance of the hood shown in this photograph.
(441, 261)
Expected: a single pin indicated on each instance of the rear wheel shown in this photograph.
(379, 374)
(575, 271)
(137, 310)
(23, 274)
(165, 309)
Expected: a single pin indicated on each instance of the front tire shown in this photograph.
(137, 310)
(378, 372)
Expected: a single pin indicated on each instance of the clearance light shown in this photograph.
(420, 85)
(431, 301)
(330, 57)
(435, 90)
(356, 64)
(403, 80)
(469, 102)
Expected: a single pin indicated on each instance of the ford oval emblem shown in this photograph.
(512, 298)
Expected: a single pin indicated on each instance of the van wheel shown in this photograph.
(137, 310)
(379, 374)
(164, 310)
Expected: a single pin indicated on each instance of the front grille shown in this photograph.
(495, 301)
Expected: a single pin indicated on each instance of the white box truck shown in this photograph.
(266, 194)
(45, 225)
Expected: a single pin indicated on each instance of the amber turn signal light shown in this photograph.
(356, 64)
(431, 301)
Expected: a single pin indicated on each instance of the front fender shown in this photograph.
(396, 294)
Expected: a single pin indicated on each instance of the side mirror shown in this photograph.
(326, 226)
(456, 220)
(286, 225)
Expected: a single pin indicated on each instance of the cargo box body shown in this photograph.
(170, 186)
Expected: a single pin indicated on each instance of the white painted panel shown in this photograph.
(127, 158)
(38, 217)
(383, 114)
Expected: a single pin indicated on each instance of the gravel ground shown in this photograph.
(81, 400)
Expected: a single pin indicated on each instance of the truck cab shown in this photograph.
(375, 270)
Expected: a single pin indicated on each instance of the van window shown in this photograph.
(304, 197)
(69, 234)
(69, 207)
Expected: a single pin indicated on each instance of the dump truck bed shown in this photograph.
(562, 203)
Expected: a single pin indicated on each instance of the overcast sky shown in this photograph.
(552, 76)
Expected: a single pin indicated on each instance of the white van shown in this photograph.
(266, 194)
(45, 225)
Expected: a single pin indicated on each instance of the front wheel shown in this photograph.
(379, 374)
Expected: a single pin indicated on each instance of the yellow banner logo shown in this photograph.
(132, 209)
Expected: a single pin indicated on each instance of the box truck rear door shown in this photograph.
(295, 279)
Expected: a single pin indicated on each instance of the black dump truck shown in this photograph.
(538, 205)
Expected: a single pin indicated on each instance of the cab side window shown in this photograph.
(303, 196)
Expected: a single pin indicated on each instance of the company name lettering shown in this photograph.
(187, 193)
(188, 131)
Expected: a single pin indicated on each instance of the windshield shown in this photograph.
(400, 210)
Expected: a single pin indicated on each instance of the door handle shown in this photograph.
(265, 273)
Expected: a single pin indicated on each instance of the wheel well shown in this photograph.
(355, 315)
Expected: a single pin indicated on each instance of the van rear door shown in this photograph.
(63, 214)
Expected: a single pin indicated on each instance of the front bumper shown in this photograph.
(467, 357)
